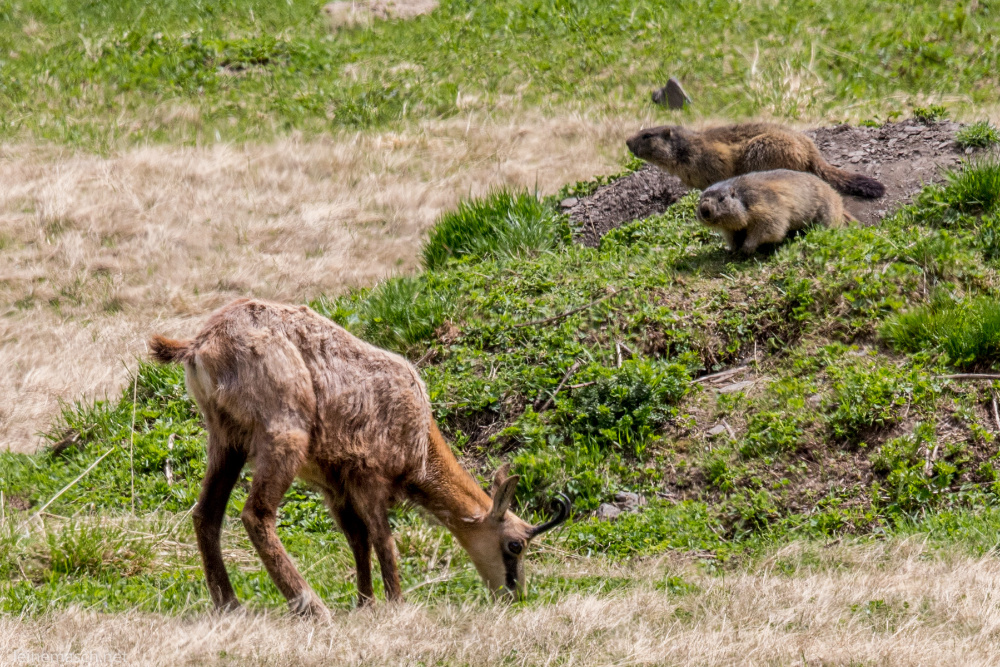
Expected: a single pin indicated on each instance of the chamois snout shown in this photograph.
(499, 541)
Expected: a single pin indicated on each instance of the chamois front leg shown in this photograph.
(278, 461)
(357, 536)
(224, 466)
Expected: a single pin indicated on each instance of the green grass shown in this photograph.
(837, 434)
(103, 75)
(981, 134)
(503, 224)
(967, 332)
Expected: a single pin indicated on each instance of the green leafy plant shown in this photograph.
(981, 134)
(966, 331)
(503, 224)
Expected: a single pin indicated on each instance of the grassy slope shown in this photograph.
(841, 433)
(101, 75)
(838, 435)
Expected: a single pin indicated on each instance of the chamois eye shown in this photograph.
(514, 547)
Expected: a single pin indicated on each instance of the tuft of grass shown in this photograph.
(930, 114)
(966, 331)
(972, 190)
(505, 223)
(96, 548)
(981, 134)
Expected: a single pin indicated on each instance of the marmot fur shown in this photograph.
(700, 159)
(763, 206)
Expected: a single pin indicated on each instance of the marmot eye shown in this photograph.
(515, 548)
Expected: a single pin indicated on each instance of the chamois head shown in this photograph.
(498, 541)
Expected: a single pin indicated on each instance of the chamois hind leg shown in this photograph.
(373, 507)
(224, 466)
(357, 536)
(279, 457)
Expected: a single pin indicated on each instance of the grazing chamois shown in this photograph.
(298, 396)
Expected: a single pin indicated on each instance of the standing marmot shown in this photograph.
(763, 206)
(702, 158)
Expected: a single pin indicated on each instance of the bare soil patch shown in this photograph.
(905, 156)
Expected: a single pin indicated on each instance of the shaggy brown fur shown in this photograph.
(298, 396)
(763, 206)
(700, 159)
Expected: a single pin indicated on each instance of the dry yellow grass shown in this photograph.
(98, 252)
(893, 604)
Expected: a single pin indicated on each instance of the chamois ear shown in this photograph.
(501, 475)
(503, 497)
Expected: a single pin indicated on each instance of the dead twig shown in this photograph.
(70, 485)
(582, 385)
(971, 376)
(560, 316)
(929, 462)
(545, 406)
(426, 356)
(996, 413)
(720, 374)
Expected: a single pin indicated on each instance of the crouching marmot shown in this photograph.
(700, 159)
(763, 206)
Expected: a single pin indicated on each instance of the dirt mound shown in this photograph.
(904, 156)
(639, 195)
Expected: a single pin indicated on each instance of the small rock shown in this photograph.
(607, 512)
(855, 160)
(569, 202)
(968, 151)
(717, 430)
(913, 129)
(629, 502)
(671, 95)
(814, 400)
(735, 387)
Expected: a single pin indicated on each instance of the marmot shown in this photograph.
(763, 206)
(700, 159)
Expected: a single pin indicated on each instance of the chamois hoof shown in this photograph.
(229, 608)
(308, 605)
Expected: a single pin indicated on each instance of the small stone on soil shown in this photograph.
(628, 501)
(607, 512)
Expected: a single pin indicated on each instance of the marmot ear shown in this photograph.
(666, 132)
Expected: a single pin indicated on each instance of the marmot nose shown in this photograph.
(705, 212)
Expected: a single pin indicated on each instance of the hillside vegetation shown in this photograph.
(581, 368)
(809, 429)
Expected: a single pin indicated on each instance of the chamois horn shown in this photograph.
(562, 514)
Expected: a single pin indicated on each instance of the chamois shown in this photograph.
(298, 396)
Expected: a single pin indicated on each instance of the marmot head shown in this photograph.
(667, 145)
(721, 206)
